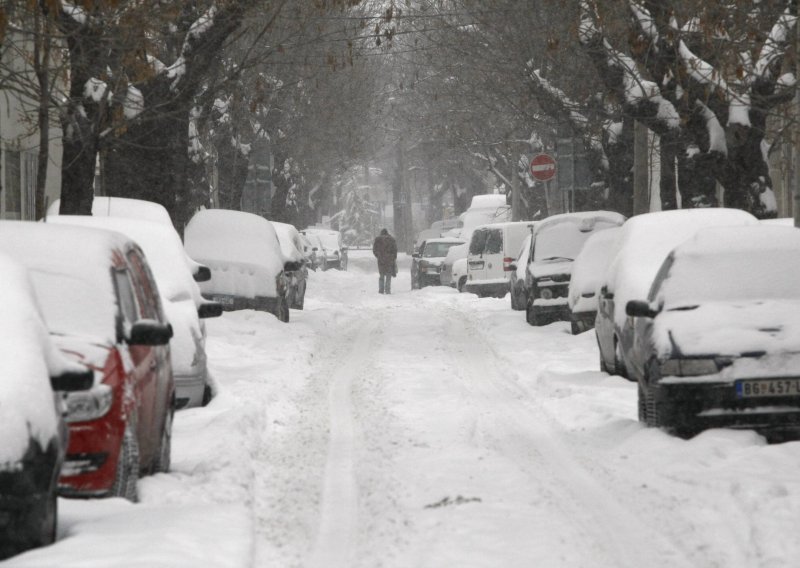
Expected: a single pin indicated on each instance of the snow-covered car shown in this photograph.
(34, 433)
(127, 208)
(103, 310)
(587, 275)
(717, 339)
(335, 252)
(245, 258)
(292, 245)
(426, 264)
(557, 240)
(180, 296)
(490, 256)
(310, 248)
(644, 242)
(446, 276)
(516, 280)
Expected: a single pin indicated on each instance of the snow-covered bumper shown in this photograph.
(232, 303)
(497, 288)
(553, 308)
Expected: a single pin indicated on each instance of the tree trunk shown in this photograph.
(80, 146)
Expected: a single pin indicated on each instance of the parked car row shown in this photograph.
(103, 339)
(699, 307)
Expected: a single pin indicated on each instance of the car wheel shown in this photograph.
(642, 404)
(207, 395)
(282, 309)
(164, 457)
(127, 473)
(619, 364)
(575, 327)
(461, 283)
(300, 298)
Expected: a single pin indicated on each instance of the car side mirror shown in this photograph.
(512, 267)
(315, 249)
(209, 310)
(292, 266)
(149, 332)
(640, 309)
(203, 274)
(414, 255)
(73, 381)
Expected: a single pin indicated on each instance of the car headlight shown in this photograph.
(89, 404)
(546, 293)
(688, 367)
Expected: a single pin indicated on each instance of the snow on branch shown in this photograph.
(716, 134)
(702, 72)
(645, 20)
(77, 13)
(776, 43)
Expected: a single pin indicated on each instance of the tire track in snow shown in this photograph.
(617, 534)
(335, 544)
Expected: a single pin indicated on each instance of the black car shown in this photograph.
(717, 341)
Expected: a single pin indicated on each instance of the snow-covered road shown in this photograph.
(432, 429)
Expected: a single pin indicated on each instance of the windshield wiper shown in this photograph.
(558, 258)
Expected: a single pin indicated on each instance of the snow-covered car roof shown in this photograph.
(731, 290)
(122, 207)
(70, 270)
(290, 240)
(589, 268)
(27, 360)
(446, 240)
(584, 218)
(646, 240)
(241, 250)
(161, 245)
(328, 237)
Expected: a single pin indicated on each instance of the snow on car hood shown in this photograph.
(730, 328)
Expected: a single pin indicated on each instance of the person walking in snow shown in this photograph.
(385, 250)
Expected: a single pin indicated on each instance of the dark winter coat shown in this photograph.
(385, 250)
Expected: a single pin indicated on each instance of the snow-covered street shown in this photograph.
(431, 429)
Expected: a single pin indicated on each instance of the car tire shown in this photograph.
(282, 309)
(300, 298)
(619, 364)
(642, 405)
(126, 476)
(574, 327)
(164, 457)
(462, 282)
(207, 395)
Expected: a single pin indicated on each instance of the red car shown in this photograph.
(102, 307)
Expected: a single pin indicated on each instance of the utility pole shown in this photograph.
(795, 140)
(516, 213)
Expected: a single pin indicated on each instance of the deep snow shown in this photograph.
(432, 429)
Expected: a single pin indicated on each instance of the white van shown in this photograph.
(492, 251)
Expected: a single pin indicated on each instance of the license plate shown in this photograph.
(224, 300)
(768, 387)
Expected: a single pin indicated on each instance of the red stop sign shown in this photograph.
(543, 167)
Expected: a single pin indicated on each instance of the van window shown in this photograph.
(478, 242)
(494, 242)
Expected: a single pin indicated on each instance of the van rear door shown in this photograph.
(491, 259)
(476, 266)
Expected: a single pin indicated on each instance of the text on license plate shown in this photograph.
(771, 387)
(224, 300)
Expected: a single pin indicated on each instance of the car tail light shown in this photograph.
(507, 261)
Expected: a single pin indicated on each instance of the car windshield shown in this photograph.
(436, 250)
(72, 305)
(562, 241)
(693, 280)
